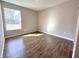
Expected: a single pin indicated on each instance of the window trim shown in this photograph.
(19, 18)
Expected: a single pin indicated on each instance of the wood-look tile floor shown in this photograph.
(37, 46)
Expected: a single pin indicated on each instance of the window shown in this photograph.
(12, 19)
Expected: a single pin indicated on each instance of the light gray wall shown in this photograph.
(59, 20)
(29, 20)
(1, 33)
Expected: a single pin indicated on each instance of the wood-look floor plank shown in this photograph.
(41, 46)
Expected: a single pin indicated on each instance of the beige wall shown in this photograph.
(59, 20)
(29, 20)
(1, 33)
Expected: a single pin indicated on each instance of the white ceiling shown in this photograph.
(36, 4)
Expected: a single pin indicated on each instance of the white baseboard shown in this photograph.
(59, 36)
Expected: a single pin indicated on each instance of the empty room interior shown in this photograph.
(39, 28)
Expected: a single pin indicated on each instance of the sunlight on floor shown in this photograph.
(32, 35)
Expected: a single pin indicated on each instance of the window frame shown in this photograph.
(19, 18)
